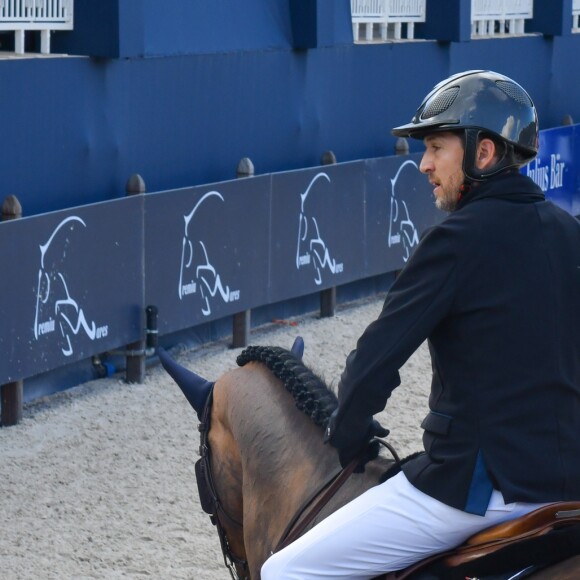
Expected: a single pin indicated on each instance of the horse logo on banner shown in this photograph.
(402, 230)
(311, 248)
(56, 309)
(197, 274)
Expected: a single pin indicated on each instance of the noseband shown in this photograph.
(209, 499)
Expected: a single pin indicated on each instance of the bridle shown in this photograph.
(212, 505)
(210, 501)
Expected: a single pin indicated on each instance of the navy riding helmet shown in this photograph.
(480, 103)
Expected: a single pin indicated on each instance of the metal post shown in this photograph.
(135, 358)
(242, 320)
(328, 296)
(11, 394)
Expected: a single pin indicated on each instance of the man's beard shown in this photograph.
(451, 193)
(448, 202)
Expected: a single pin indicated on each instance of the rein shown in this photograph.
(296, 528)
(209, 499)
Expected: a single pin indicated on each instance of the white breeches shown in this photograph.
(389, 527)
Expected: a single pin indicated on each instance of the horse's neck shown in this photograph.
(282, 454)
(282, 450)
(284, 460)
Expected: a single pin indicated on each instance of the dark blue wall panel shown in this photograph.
(207, 251)
(72, 286)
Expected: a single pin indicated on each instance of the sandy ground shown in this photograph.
(98, 481)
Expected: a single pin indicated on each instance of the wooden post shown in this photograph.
(328, 296)
(11, 209)
(245, 168)
(11, 394)
(135, 357)
(402, 146)
(328, 158)
(242, 320)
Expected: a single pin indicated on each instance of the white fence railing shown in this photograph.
(388, 16)
(576, 16)
(494, 17)
(43, 15)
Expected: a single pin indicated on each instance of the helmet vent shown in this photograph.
(516, 93)
(440, 103)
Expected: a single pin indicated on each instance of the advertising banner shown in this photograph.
(400, 207)
(76, 283)
(71, 286)
(318, 229)
(207, 251)
(556, 170)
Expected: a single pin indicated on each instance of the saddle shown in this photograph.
(538, 538)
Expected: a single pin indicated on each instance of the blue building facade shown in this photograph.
(180, 91)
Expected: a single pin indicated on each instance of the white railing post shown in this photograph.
(19, 41)
(45, 41)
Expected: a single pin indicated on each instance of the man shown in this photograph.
(495, 288)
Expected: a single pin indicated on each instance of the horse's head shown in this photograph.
(266, 447)
(219, 473)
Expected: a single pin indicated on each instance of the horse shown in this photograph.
(264, 462)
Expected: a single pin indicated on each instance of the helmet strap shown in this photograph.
(472, 173)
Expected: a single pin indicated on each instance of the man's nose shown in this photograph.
(426, 164)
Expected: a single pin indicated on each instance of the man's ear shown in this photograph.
(486, 154)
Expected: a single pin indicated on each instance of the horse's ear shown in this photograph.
(298, 347)
(195, 388)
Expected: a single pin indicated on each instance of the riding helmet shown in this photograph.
(480, 103)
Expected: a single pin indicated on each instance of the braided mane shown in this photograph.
(309, 391)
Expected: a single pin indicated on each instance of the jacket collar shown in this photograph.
(510, 186)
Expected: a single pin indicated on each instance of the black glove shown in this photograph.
(355, 446)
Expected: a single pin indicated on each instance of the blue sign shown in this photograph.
(556, 170)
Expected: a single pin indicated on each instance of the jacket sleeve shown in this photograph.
(419, 299)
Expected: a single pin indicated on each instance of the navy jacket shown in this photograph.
(495, 288)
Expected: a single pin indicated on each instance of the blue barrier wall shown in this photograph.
(174, 92)
(77, 281)
(80, 279)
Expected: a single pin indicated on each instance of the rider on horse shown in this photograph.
(495, 289)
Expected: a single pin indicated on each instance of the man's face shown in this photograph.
(443, 164)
